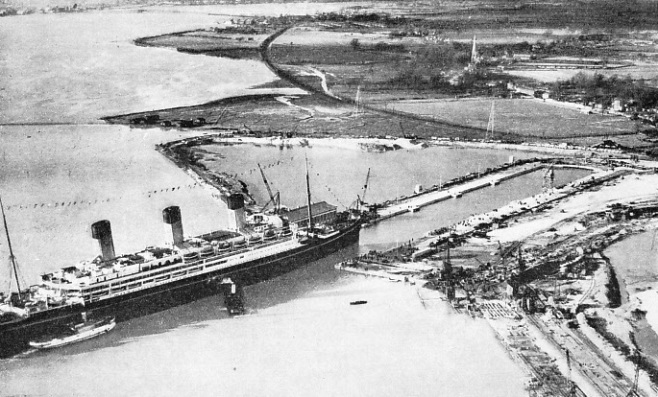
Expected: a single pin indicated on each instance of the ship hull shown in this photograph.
(15, 336)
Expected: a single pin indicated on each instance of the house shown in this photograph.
(183, 123)
(527, 91)
(617, 105)
(522, 57)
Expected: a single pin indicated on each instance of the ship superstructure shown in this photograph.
(256, 247)
(98, 280)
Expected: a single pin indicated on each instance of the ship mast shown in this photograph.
(11, 251)
(308, 199)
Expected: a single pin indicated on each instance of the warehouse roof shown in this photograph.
(301, 213)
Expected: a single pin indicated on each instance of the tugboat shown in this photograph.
(79, 332)
(233, 298)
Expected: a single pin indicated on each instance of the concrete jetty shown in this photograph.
(469, 225)
(428, 197)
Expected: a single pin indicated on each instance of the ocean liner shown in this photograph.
(262, 246)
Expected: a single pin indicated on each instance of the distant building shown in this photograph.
(522, 57)
(527, 91)
(617, 105)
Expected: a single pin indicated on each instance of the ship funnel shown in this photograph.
(172, 216)
(102, 231)
(235, 204)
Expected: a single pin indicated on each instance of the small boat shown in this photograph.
(80, 332)
(233, 298)
(358, 302)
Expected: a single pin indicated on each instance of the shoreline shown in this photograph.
(404, 144)
(294, 74)
(234, 136)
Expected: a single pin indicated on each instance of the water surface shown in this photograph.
(338, 175)
(636, 264)
(303, 337)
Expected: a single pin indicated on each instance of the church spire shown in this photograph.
(474, 52)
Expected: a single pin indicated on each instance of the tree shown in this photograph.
(355, 44)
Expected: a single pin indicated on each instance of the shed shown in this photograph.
(322, 211)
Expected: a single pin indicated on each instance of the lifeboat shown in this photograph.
(190, 256)
(269, 235)
(206, 251)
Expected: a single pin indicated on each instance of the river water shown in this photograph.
(338, 175)
(302, 337)
(636, 264)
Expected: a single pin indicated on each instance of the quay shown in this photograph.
(395, 271)
(373, 273)
(468, 226)
(518, 290)
(456, 189)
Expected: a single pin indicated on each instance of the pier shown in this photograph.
(439, 193)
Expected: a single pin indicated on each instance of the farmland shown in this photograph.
(526, 117)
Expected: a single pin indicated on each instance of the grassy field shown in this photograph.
(410, 67)
(587, 14)
(235, 46)
(299, 115)
(525, 117)
(331, 55)
(647, 72)
(350, 68)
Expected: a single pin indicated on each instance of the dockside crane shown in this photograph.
(362, 199)
(275, 199)
(508, 251)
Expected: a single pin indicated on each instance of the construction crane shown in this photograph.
(510, 249)
(275, 199)
(504, 253)
(520, 262)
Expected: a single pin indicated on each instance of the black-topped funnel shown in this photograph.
(102, 231)
(172, 216)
